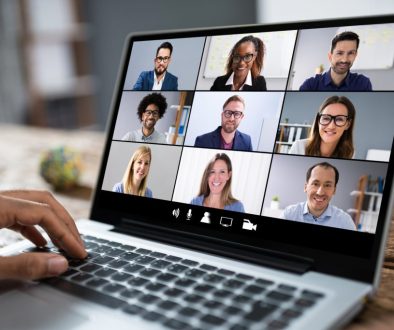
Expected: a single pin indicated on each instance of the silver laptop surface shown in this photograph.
(246, 183)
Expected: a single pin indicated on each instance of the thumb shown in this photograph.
(32, 266)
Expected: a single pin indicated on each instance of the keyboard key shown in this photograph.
(152, 316)
(118, 264)
(85, 292)
(160, 264)
(225, 272)
(212, 304)
(133, 268)
(149, 272)
(125, 247)
(208, 267)
(115, 244)
(190, 263)
(175, 324)
(277, 324)
(121, 277)
(144, 260)
(213, 278)
(239, 327)
(312, 294)
(103, 260)
(97, 282)
(213, 320)
(102, 249)
(263, 282)
(105, 272)
(232, 310)
(195, 273)
(177, 268)
(188, 312)
(241, 299)
(129, 256)
(155, 287)
(90, 268)
(143, 251)
(114, 252)
(185, 282)
(174, 292)
(157, 255)
(233, 284)
(204, 288)
(304, 302)
(222, 294)
(138, 281)
(69, 272)
(291, 313)
(168, 305)
(288, 288)
(193, 298)
(279, 296)
(134, 309)
(173, 258)
(148, 299)
(82, 277)
(244, 277)
(254, 289)
(131, 293)
(259, 311)
(113, 287)
(166, 277)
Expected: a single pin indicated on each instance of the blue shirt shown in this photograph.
(323, 82)
(119, 188)
(236, 206)
(331, 217)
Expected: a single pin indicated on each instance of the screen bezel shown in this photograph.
(333, 251)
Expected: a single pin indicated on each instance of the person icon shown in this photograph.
(206, 218)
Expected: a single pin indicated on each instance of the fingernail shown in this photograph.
(57, 265)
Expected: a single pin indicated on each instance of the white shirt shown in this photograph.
(138, 136)
(156, 84)
(248, 81)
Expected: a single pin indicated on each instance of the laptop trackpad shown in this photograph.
(20, 310)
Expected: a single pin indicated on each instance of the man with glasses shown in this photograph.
(159, 78)
(320, 187)
(227, 136)
(151, 108)
(343, 53)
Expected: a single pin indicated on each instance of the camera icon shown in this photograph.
(247, 225)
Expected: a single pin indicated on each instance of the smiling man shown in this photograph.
(227, 135)
(159, 78)
(151, 108)
(320, 187)
(343, 53)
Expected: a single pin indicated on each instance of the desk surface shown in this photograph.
(19, 168)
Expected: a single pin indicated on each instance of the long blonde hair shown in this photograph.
(127, 180)
(226, 197)
(344, 148)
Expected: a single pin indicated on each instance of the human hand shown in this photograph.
(21, 210)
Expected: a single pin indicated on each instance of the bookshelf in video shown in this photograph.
(293, 125)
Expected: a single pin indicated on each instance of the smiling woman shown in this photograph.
(243, 67)
(332, 130)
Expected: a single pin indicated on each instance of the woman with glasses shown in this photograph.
(215, 187)
(332, 131)
(243, 67)
(135, 178)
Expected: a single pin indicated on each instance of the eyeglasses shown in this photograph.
(246, 58)
(229, 113)
(162, 59)
(339, 120)
(154, 113)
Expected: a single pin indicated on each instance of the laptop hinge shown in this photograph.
(240, 252)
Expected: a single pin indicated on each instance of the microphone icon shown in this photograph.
(189, 214)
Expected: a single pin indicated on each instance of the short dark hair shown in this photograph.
(165, 44)
(346, 35)
(234, 98)
(325, 165)
(154, 98)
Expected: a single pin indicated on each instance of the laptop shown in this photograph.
(215, 207)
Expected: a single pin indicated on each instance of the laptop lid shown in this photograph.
(257, 143)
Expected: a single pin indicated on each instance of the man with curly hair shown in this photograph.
(151, 108)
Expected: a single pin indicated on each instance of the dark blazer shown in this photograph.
(146, 79)
(258, 84)
(212, 140)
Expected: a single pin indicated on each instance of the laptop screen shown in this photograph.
(265, 136)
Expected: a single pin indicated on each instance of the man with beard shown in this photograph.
(227, 136)
(151, 108)
(159, 78)
(342, 55)
(320, 186)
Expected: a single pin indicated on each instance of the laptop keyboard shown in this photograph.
(180, 293)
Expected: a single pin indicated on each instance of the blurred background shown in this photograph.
(59, 58)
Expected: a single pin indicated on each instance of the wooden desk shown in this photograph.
(21, 147)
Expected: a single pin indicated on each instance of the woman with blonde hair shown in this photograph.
(243, 67)
(215, 187)
(332, 131)
(135, 178)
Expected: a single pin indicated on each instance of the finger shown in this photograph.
(17, 211)
(47, 198)
(32, 266)
(31, 233)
